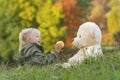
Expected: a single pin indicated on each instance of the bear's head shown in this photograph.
(88, 34)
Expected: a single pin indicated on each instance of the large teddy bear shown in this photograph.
(88, 41)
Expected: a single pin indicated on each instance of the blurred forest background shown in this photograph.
(56, 20)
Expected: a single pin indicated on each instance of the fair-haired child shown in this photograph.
(31, 51)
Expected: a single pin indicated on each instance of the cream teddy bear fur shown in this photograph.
(88, 41)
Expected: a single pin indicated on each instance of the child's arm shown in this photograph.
(34, 55)
(43, 59)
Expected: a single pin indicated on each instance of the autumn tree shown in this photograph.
(98, 12)
(113, 20)
(75, 13)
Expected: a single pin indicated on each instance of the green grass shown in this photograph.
(105, 68)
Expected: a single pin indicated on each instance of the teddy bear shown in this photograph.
(88, 41)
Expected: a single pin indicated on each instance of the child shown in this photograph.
(31, 51)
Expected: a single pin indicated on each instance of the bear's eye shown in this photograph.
(79, 36)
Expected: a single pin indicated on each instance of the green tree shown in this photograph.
(9, 28)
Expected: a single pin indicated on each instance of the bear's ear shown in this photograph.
(92, 34)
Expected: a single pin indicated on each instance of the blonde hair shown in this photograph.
(23, 35)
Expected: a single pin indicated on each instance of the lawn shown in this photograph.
(102, 68)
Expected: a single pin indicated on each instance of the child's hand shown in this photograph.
(58, 46)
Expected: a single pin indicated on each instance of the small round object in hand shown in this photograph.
(61, 43)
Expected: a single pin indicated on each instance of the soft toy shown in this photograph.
(88, 41)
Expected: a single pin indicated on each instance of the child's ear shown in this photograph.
(28, 39)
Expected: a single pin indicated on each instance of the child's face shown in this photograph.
(34, 37)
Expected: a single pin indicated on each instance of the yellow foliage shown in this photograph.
(53, 31)
(27, 4)
(56, 10)
(114, 20)
(62, 31)
(28, 14)
(97, 11)
(22, 15)
(107, 38)
(20, 1)
(42, 30)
